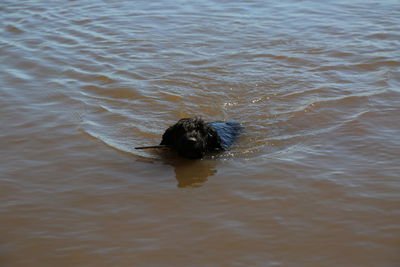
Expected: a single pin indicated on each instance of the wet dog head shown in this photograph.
(191, 138)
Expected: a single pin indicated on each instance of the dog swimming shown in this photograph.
(194, 138)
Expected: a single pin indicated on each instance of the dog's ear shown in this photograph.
(168, 137)
(213, 140)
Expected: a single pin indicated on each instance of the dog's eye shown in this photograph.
(201, 130)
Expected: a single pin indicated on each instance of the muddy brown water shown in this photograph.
(313, 181)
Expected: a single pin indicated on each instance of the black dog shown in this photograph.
(193, 137)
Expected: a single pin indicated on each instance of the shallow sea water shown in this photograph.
(313, 181)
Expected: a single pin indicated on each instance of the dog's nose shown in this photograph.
(192, 140)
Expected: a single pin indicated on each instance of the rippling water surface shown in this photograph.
(313, 181)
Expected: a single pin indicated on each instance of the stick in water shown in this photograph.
(146, 147)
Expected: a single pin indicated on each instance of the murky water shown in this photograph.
(313, 181)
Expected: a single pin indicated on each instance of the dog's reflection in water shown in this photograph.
(193, 173)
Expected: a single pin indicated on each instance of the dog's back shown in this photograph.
(228, 131)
